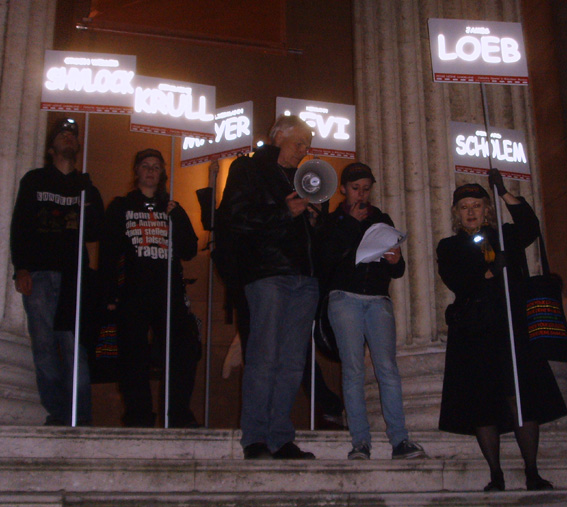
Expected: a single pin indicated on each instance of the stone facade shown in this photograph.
(402, 130)
(27, 31)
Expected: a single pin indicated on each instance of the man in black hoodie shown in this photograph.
(44, 245)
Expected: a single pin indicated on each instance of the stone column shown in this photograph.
(403, 122)
(27, 30)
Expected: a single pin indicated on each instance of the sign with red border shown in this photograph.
(464, 51)
(88, 82)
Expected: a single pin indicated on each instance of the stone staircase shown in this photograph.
(117, 467)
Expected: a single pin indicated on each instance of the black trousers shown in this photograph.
(139, 314)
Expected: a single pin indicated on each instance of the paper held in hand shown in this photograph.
(377, 240)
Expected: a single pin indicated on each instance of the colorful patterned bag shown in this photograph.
(547, 327)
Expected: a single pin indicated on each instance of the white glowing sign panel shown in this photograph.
(233, 134)
(173, 108)
(472, 146)
(477, 52)
(332, 124)
(88, 82)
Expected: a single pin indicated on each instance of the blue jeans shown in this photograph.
(53, 353)
(355, 317)
(282, 309)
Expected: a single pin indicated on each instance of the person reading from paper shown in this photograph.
(361, 311)
(134, 264)
(479, 396)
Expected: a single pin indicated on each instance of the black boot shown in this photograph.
(496, 482)
(534, 482)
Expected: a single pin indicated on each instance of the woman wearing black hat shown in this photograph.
(361, 312)
(134, 262)
(478, 389)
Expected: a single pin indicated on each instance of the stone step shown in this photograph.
(470, 499)
(138, 467)
(40, 442)
(230, 476)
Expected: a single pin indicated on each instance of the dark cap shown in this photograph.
(150, 152)
(62, 125)
(469, 190)
(356, 171)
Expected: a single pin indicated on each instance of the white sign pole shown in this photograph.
(213, 173)
(79, 283)
(312, 422)
(168, 311)
(504, 271)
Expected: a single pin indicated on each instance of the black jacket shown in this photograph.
(337, 242)
(134, 245)
(44, 233)
(266, 239)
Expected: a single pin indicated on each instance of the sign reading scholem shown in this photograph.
(233, 134)
(333, 125)
(173, 108)
(88, 82)
(477, 52)
(472, 146)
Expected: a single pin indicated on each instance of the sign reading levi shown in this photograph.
(477, 52)
(472, 147)
(333, 125)
(233, 134)
(88, 82)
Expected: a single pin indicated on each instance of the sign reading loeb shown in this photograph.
(233, 134)
(477, 52)
(333, 124)
(173, 108)
(88, 82)
(472, 147)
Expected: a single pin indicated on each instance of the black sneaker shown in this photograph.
(406, 449)
(258, 450)
(291, 451)
(53, 421)
(361, 451)
(183, 420)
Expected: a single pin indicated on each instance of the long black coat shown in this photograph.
(478, 366)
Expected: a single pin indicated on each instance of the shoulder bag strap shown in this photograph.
(543, 255)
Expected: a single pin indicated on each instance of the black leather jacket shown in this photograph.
(267, 240)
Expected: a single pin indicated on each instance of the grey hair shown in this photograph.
(284, 123)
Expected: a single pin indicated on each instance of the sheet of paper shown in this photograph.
(377, 240)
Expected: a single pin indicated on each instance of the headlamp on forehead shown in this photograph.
(69, 124)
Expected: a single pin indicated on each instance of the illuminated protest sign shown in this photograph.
(233, 134)
(471, 147)
(333, 125)
(477, 52)
(173, 108)
(88, 82)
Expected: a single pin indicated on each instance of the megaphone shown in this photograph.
(315, 180)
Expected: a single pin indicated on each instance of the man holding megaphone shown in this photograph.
(273, 255)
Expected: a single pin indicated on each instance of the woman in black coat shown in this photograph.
(479, 396)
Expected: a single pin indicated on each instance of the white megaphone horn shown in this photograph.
(315, 180)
